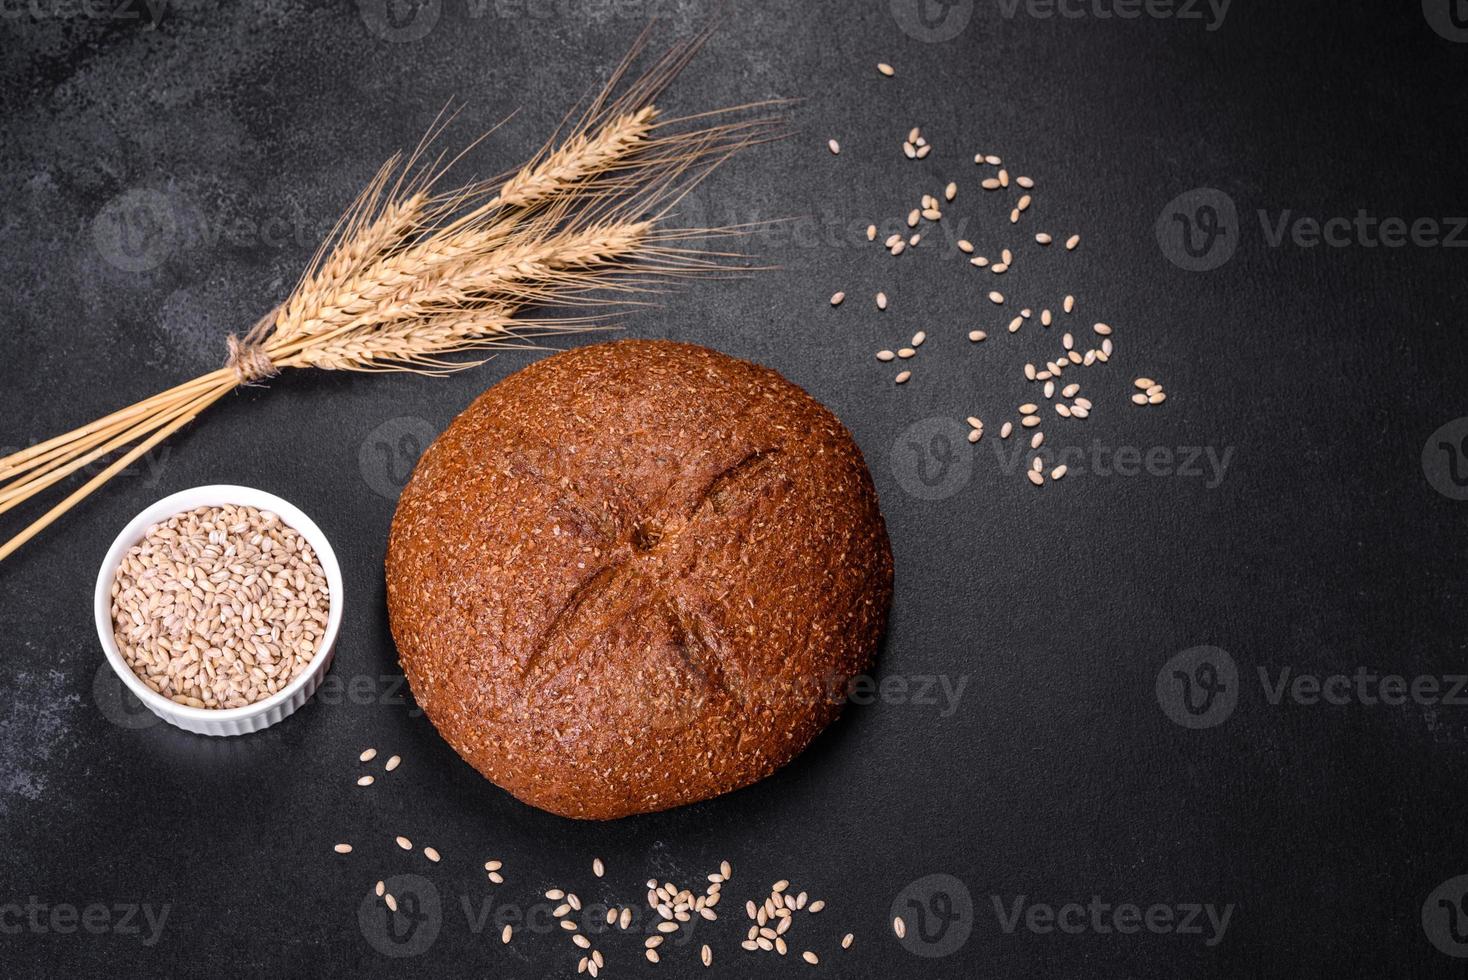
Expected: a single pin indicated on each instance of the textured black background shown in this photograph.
(1057, 776)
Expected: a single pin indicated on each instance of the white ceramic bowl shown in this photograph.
(221, 721)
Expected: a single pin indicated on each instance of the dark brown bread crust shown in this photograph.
(637, 575)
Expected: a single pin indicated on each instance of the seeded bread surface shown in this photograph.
(637, 575)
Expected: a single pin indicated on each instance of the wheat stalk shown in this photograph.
(411, 275)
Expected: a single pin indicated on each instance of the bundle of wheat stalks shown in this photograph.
(412, 273)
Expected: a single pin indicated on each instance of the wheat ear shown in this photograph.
(411, 275)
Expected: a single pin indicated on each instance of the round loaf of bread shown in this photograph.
(636, 575)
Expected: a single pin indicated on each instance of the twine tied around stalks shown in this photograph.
(247, 357)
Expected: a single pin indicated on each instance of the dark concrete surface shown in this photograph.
(1293, 504)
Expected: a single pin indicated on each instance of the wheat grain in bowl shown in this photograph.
(219, 606)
